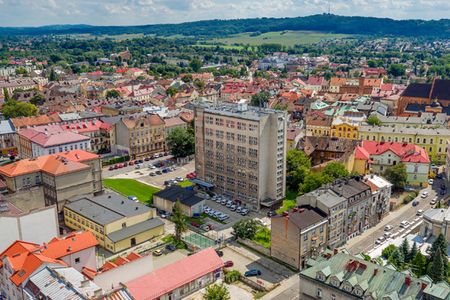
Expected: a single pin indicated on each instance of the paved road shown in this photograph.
(289, 289)
(366, 241)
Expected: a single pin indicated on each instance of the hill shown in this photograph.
(218, 28)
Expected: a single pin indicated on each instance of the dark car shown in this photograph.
(252, 272)
(111, 168)
(228, 264)
(442, 192)
(158, 172)
(125, 164)
(220, 253)
(171, 248)
(147, 158)
(140, 161)
(271, 213)
(415, 203)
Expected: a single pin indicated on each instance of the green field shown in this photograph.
(131, 187)
(285, 38)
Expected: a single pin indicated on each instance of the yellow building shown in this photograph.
(117, 222)
(318, 124)
(346, 128)
(433, 140)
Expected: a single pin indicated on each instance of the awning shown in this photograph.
(202, 183)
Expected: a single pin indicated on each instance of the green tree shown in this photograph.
(14, 109)
(196, 64)
(53, 76)
(246, 229)
(397, 258)
(396, 70)
(335, 170)
(298, 165)
(260, 99)
(313, 181)
(397, 175)
(200, 84)
(404, 247)
(37, 99)
(387, 252)
(171, 91)
(413, 252)
(6, 95)
(21, 71)
(419, 264)
(439, 243)
(187, 78)
(438, 268)
(372, 63)
(373, 120)
(112, 94)
(232, 276)
(216, 292)
(181, 141)
(179, 219)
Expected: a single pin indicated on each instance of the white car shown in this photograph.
(419, 212)
(430, 181)
(424, 194)
(388, 228)
(404, 224)
(380, 240)
(387, 234)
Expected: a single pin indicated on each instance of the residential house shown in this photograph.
(425, 120)
(179, 279)
(11, 85)
(21, 260)
(7, 138)
(117, 222)
(24, 122)
(298, 235)
(190, 203)
(318, 124)
(61, 176)
(381, 193)
(342, 277)
(49, 139)
(141, 135)
(316, 83)
(433, 140)
(345, 127)
(98, 131)
(377, 157)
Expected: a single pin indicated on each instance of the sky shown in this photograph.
(137, 12)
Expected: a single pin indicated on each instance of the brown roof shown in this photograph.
(305, 216)
(147, 120)
(21, 122)
(336, 81)
(310, 144)
(318, 119)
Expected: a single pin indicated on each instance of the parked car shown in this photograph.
(387, 234)
(171, 247)
(419, 212)
(271, 213)
(152, 174)
(245, 212)
(404, 224)
(388, 228)
(138, 166)
(147, 159)
(125, 164)
(252, 272)
(158, 252)
(228, 264)
(131, 163)
(415, 203)
(433, 202)
(233, 207)
(195, 224)
(430, 181)
(158, 172)
(111, 168)
(220, 253)
(179, 178)
(380, 240)
(424, 194)
(442, 192)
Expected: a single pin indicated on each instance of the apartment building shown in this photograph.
(242, 151)
(7, 138)
(343, 276)
(61, 176)
(381, 193)
(117, 222)
(433, 140)
(318, 124)
(141, 135)
(298, 235)
(335, 206)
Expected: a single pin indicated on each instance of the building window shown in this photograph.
(319, 293)
(333, 297)
(77, 260)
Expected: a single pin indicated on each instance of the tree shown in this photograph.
(171, 91)
(313, 181)
(413, 252)
(37, 99)
(260, 99)
(298, 165)
(181, 141)
(53, 76)
(200, 84)
(439, 243)
(373, 120)
(396, 70)
(216, 292)
(186, 78)
(21, 71)
(14, 109)
(246, 229)
(387, 252)
(112, 94)
(397, 175)
(438, 268)
(232, 276)
(6, 95)
(179, 219)
(335, 170)
(419, 264)
(196, 64)
(372, 63)
(397, 258)
(404, 247)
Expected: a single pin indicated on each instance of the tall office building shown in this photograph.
(242, 151)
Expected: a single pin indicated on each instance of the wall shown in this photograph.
(87, 259)
(309, 288)
(140, 238)
(111, 279)
(285, 241)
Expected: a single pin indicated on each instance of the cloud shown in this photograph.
(127, 12)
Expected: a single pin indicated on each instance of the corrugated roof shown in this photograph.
(140, 227)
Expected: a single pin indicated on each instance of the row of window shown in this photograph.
(67, 148)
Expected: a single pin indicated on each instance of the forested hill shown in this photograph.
(214, 28)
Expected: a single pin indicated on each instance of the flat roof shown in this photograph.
(127, 232)
(175, 193)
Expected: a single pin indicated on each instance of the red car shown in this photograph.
(131, 163)
(228, 264)
(195, 224)
(111, 168)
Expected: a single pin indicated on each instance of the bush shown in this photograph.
(116, 160)
(232, 276)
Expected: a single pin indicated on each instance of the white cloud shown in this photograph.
(118, 12)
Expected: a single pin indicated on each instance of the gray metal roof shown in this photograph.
(6, 127)
(327, 197)
(106, 208)
(127, 232)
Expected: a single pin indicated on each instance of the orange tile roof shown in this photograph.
(337, 81)
(78, 155)
(55, 164)
(21, 122)
(151, 119)
(72, 243)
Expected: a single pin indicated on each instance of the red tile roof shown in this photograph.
(55, 135)
(406, 152)
(166, 279)
(72, 243)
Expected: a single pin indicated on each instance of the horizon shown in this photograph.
(23, 13)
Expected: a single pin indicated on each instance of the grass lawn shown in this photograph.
(131, 187)
(289, 202)
(285, 38)
(262, 237)
(185, 183)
